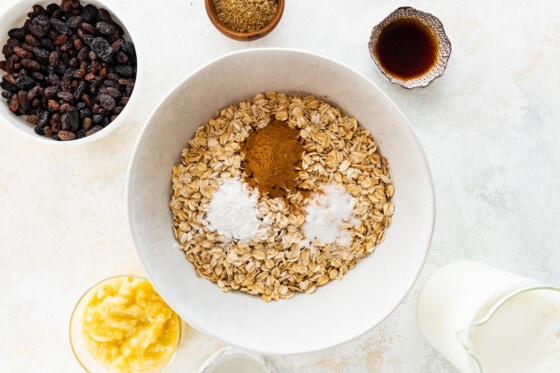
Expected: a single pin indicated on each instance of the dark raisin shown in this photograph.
(39, 26)
(105, 28)
(25, 82)
(38, 76)
(74, 22)
(81, 133)
(128, 48)
(80, 89)
(97, 118)
(70, 120)
(50, 91)
(89, 13)
(85, 112)
(48, 44)
(102, 48)
(53, 79)
(103, 15)
(107, 102)
(93, 130)
(124, 70)
(6, 94)
(112, 91)
(51, 8)
(41, 54)
(17, 33)
(43, 121)
(9, 86)
(122, 57)
(89, 28)
(66, 96)
(59, 25)
(24, 103)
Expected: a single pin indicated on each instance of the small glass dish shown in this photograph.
(410, 47)
(243, 36)
(104, 290)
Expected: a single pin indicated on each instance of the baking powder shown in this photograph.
(233, 211)
(328, 209)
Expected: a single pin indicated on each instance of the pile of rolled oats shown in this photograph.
(281, 261)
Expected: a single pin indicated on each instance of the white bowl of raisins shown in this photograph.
(68, 70)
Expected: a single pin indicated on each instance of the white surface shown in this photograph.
(490, 128)
(367, 294)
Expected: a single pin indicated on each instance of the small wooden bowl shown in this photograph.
(243, 36)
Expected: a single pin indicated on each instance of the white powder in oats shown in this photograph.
(233, 211)
(329, 208)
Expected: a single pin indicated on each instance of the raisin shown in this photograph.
(107, 102)
(17, 33)
(102, 48)
(128, 48)
(105, 28)
(41, 54)
(124, 70)
(70, 120)
(74, 22)
(25, 82)
(59, 25)
(89, 13)
(39, 26)
(12, 88)
(65, 135)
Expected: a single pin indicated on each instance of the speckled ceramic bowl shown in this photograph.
(410, 47)
(336, 312)
(15, 16)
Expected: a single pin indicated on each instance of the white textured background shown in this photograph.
(490, 128)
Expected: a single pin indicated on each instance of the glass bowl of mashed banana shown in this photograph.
(121, 324)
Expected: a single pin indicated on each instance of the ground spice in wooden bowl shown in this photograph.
(245, 19)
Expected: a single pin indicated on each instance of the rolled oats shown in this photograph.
(280, 262)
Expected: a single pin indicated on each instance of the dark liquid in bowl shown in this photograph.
(406, 48)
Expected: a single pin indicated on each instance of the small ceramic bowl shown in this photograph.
(78, 340)
(243, 36)
(410, 47)
(14, 17)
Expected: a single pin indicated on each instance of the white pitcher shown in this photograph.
(483, 319)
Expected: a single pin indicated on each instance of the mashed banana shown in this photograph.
(128, 327)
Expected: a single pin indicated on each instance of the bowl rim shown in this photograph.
(243, 36)
(431, 203)
(27, 130)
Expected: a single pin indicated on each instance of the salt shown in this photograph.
(233, 211)
(327, 210)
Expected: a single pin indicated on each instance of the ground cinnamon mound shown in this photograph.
(272, 159)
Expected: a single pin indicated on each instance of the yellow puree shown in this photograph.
(128, 327)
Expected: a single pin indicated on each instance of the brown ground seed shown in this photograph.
(245, 15)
